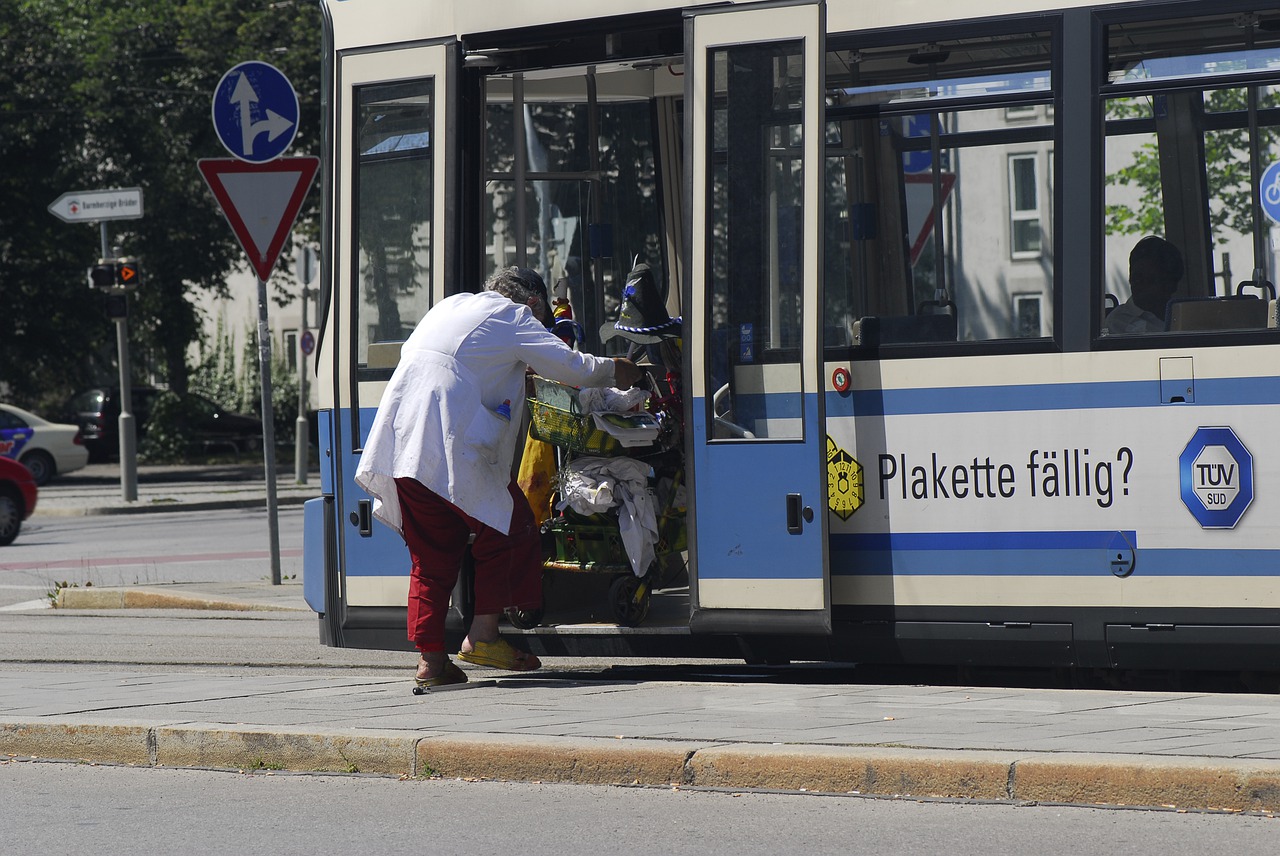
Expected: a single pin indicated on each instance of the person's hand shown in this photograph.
(626, 374)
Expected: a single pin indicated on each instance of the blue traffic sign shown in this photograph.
(1216, 476)
(1269, 191)
(255, 112)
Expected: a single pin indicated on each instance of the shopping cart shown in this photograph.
(592, 543)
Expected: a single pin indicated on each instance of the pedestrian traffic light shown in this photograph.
(117, 305)
(128, 272)
(102, 275)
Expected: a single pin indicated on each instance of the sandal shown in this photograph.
(500, 655)
(450, 676)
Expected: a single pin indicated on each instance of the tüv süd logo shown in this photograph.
(1216, 476)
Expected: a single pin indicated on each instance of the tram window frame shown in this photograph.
(1008, 109)
(1170, 76)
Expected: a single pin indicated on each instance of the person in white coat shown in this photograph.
(438, 461)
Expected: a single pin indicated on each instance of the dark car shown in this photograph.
(97, 412)
(17, 499)
(211, 426)
(204, 424)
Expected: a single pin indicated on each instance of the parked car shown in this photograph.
(17, 499)
(97, 412)
(46, 448)
(212, 426)
(205, 424)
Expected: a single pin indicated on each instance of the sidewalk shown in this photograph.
(96, 490)
(1184, 750)
(1188, 750)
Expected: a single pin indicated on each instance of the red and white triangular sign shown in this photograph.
(260, 201)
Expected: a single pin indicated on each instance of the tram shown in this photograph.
(897, 238)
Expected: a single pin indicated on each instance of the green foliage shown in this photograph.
(214, 374)
(166, 441)
(233, 383)
(115, 93)
(1227, 172)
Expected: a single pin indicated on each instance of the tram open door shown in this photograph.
(758, 522)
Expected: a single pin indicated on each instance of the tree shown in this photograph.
(1226, 164)
(116, 93)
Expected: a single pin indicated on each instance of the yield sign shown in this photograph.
(921, 215)
(260, 201)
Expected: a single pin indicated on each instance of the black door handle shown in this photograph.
(362, 518)
(797, 514)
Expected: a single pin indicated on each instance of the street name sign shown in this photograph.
(90, 206)
(260, 201)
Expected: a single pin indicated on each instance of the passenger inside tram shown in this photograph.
(1155, 269)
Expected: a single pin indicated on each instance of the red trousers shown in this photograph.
(508, 568)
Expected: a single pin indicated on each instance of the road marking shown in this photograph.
(42, 603)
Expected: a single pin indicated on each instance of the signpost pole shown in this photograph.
(268, 430)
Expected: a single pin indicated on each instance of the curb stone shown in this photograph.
(1113, 780)
(141, 598)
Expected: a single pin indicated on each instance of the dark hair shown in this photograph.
(1161, 255)
(519, 284)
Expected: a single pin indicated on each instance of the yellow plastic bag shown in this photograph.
(537, 475)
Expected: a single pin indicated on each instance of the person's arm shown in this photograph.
(549, 356)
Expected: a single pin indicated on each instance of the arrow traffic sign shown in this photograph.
(260, 201)
(88, 206)
(255, 111)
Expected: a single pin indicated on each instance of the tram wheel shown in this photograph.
(525, 619)
(629, 597)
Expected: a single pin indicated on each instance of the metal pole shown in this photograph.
(125, 422)
(268, 430)
(300, 426)
(128, 443)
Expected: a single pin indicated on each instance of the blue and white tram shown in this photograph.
(896, 234)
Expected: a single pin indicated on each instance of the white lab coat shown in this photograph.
(437, 421)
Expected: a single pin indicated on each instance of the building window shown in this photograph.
(291, 349)
(1026, 316)
(1024, 206)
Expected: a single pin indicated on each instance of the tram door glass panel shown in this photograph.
(756, 273)
(589, 206)
(939, 196)
(1192, 122)
(394, 209)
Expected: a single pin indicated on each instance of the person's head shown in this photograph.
(1155, 267)
(523, 285)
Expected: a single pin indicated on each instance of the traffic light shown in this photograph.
(116, 305)
(128, 273)
(115, 273)
(102, 275)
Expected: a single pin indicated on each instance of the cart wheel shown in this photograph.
(629, 597)
(525, 619)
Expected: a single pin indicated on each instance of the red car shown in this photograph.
(17, 498)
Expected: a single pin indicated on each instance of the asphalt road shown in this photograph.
(192, 546)
(75, 809)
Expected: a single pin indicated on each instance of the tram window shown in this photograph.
(925, 142)
(756, 262)
(1192, 119)
(393, 210)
